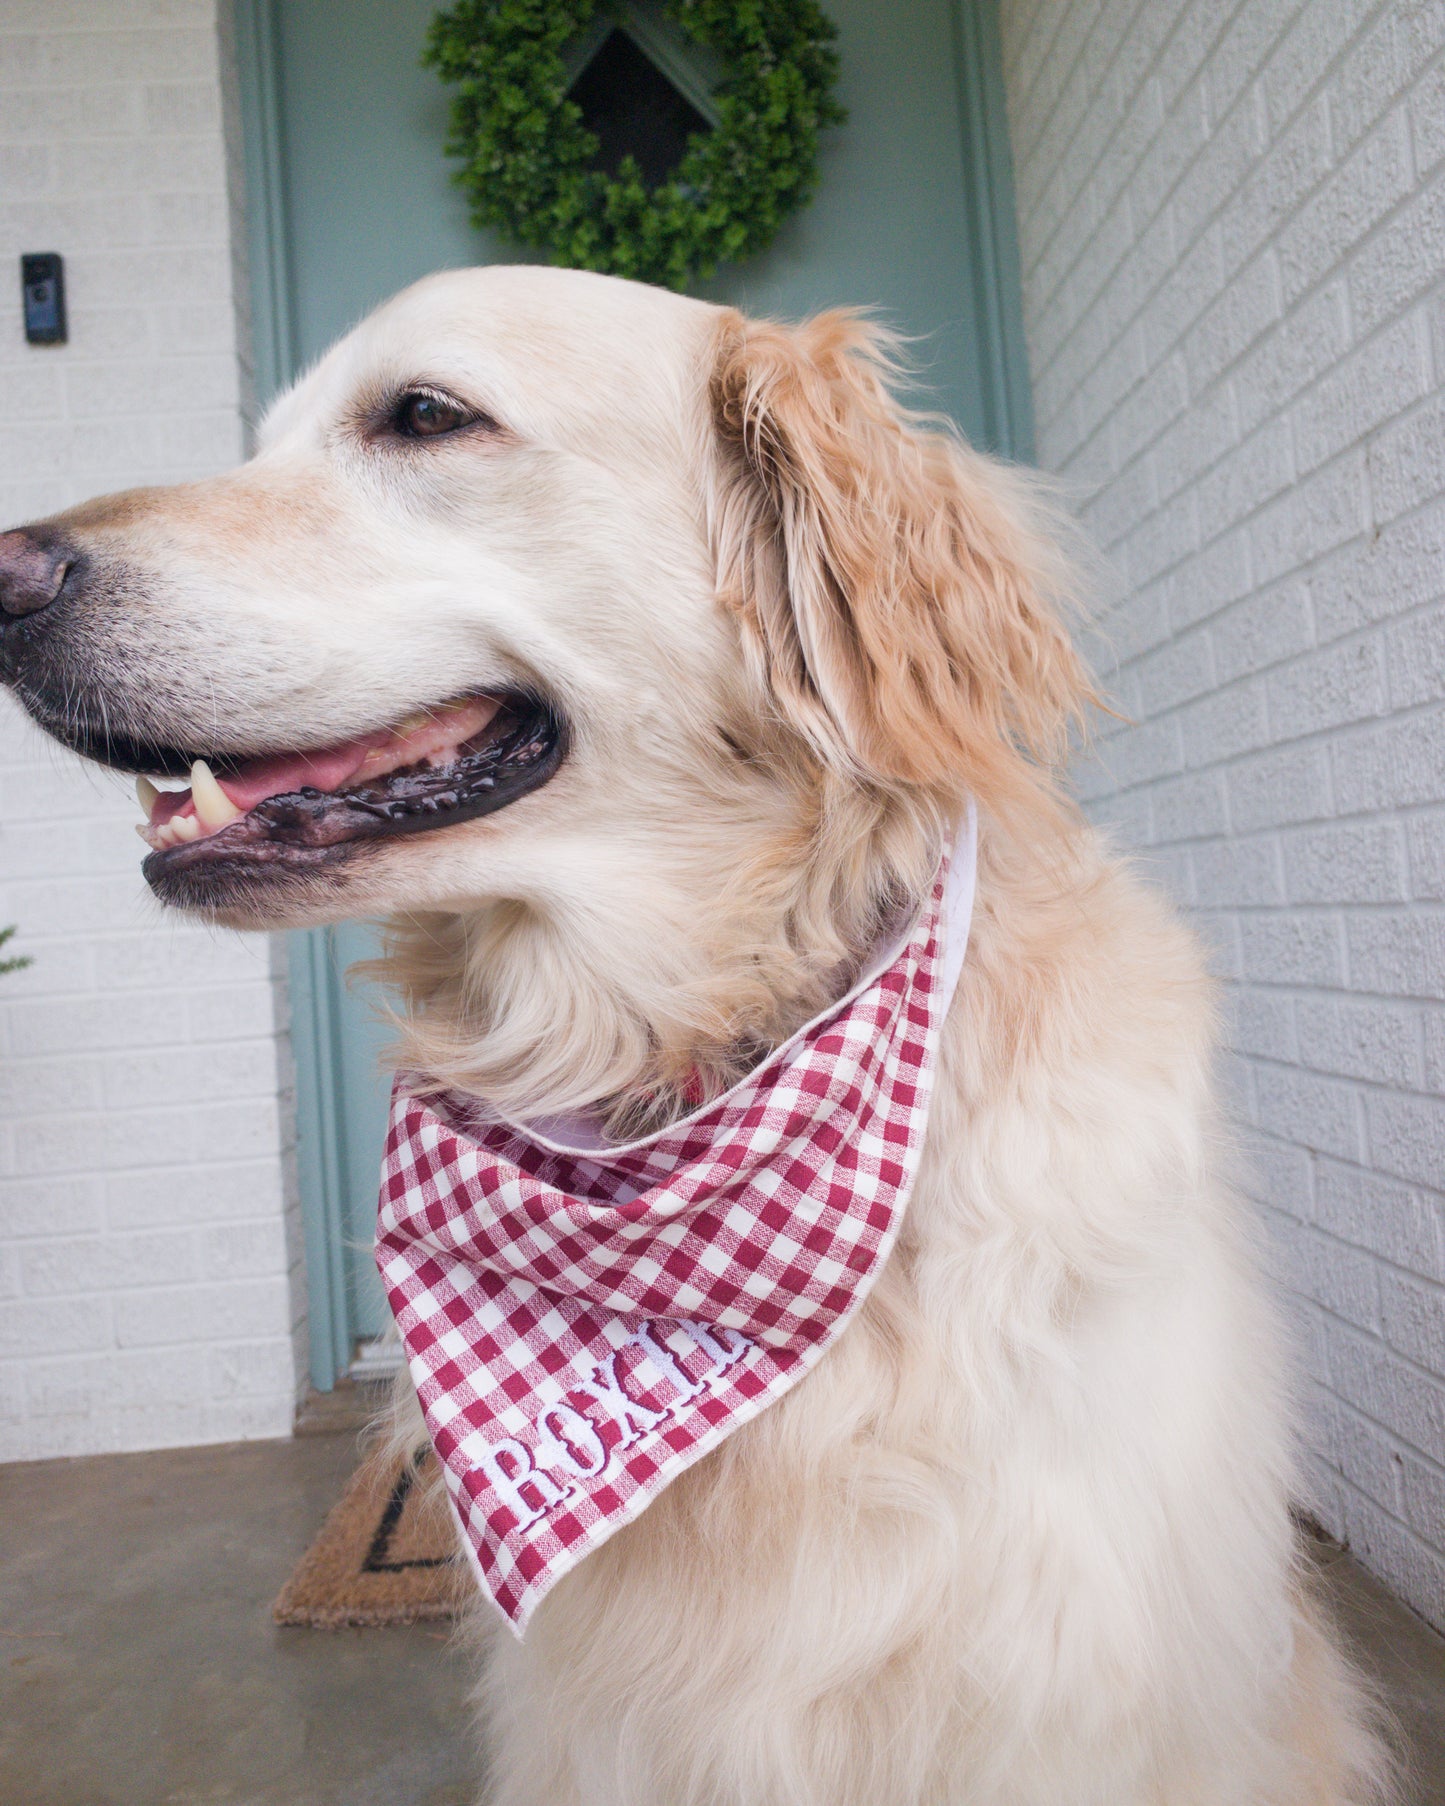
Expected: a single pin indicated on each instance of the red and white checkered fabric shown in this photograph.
(584, 1322)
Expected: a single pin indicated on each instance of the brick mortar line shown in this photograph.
(173, 1232)
(139, 26)
(1300, 992)
(1406, 908)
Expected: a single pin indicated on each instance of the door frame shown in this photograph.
(314, 1023)
(988, 193)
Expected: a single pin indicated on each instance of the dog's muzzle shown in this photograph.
(252, 815)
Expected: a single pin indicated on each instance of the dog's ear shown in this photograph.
(896, 598)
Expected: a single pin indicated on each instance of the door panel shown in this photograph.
(370, 205)
(352, 199)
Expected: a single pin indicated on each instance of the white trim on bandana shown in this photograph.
(584, 1320)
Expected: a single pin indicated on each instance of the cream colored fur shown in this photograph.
(1022, 1539)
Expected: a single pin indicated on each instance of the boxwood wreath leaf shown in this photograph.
(528, 157)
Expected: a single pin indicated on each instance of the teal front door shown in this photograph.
(349, 198)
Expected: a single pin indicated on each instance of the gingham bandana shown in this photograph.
(585, 1320)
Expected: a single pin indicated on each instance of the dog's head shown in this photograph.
(555, 599)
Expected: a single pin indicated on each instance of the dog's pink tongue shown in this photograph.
(432, 735)
(279, 775)
(327, 769)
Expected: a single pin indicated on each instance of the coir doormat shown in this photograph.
(387, 1554)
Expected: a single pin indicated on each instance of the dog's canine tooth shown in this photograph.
(213, 806)
(146, 794)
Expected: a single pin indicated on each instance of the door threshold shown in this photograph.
(379, 1358)
(348, 1406)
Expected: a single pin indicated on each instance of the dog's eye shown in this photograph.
(420, 415)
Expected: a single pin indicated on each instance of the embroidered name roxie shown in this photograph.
(574, 1440)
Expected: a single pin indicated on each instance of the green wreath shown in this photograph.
(528, 155)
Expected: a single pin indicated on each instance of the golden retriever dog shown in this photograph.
(628, 656)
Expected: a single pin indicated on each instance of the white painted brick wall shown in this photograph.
(1232, 222)
(148, 1268)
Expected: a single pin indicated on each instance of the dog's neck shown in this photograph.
(637, 1014)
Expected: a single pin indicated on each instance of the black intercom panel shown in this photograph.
(42, 279)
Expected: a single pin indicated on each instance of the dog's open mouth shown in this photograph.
(439, 767)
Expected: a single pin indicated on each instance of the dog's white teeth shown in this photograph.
(145, 830)
(146, 794)
(185, 827)
(213, 806)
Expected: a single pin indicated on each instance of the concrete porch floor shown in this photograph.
(139, 1665)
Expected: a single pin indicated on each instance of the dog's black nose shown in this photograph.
(32, 570)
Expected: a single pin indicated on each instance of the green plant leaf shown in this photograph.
(526, 155)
